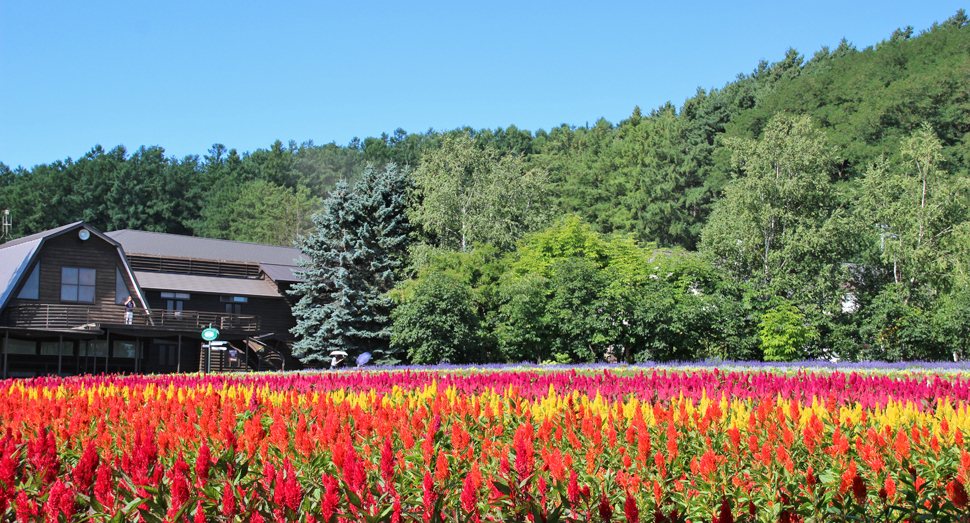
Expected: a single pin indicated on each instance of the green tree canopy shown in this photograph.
(465, 194)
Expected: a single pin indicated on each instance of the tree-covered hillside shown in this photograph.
(812, 207)
(655, 175)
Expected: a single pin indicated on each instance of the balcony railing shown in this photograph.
(57, 316)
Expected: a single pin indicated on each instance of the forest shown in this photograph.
(815, 207)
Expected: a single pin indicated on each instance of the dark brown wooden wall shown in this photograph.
(67, 250)
(275, 315)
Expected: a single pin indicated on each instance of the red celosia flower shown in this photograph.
(387, 463)
(42, 456)
(724, 514)
(469, 497)
(104, 487)
(524, 457)
(328, 504)
(847, 478)
(859, 490)
(396, 515)
(59, 501)
(605, 508)
(901, 445)
(83, 473)
(179, 485)
(27, 509)
(572, 490)
(441, 467)
(292, 492)
(708, 464)
(630, 509)
(429, 497)
(199, 513)
(202, 463)
(228, 500)
(957, 493)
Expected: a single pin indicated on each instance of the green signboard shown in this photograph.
(210, 334)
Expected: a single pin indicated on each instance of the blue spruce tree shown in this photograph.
(360, 240)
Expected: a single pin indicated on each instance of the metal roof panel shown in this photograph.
(163, 281)
(14, 260)
(176, 245)
(281, 272)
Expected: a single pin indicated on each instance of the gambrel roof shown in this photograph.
(17, 256)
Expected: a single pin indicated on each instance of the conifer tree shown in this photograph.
(360, 239)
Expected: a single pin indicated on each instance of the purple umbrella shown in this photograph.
(363, 358)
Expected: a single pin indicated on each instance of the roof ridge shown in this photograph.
(200, 238)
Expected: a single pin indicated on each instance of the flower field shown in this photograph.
(651, 445)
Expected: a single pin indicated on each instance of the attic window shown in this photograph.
(121, 288)
(31, 290)
(77, 284)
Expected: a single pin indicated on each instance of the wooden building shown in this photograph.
(62, 296)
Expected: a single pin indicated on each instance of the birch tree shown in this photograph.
(779, 225)
(915, 208)
(464, 194)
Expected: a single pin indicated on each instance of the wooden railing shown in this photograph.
(57, 316)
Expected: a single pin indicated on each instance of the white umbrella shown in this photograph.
(338, 353)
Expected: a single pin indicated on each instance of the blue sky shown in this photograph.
(186, 75)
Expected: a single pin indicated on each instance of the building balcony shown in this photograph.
(66, 317)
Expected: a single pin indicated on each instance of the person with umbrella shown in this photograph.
(333, 358)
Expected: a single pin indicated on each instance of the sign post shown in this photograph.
(209, 335)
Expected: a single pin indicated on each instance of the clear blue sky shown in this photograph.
(188, 74)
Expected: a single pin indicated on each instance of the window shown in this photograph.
(233, 303)
(175, 303)
(31, 290)
(21, 347)
(95, 348)
(124, 349)
(121, 288)
(49, 348)
(77, 284)
(167, 354)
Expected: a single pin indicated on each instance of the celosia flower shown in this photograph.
(724, 514)
(429, 497)
(202, 463)
(228, 500)
(859, 490)
(572, 489)
(83, 473)
(469, 497)
(957, 493)
(630, 509)
(179, 486)
(605, 508)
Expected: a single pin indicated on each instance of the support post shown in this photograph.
(137, 352)
(178, 352)
(60, 353)
(107, 351)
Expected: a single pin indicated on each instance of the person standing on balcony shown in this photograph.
(129, 310)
